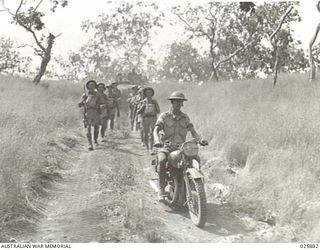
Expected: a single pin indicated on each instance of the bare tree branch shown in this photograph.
(281, 22)
(236, 52)
(40, 2)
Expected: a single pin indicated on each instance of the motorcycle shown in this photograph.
(185, 181)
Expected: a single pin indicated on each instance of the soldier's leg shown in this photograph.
(96, 134)
(162, 161)
(132, 122)
(144, 130)
(112, 121)
(89, 137)
(152, 126)
(104, 127)
(137, 123)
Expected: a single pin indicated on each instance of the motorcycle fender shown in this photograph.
(194, 174)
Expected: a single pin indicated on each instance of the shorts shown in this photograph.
(111, 117)
(93, 117)
(148, 123)
(104, 113)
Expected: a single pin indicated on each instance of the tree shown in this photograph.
(225, 27)
(275, 19)
(121, 36)
(184, 62)
(10, 59)
(31, 20)
(311, 56)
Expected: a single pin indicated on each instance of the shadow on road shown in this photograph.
(220, 219)
(117, 146)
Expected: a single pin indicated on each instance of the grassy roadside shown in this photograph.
(35, 124)
(271, 135)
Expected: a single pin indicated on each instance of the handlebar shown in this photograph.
(177, 145)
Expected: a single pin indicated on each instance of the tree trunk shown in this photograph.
(214, 74)
(312, 75)
(276, 66)
(45, 59)
(44, 63)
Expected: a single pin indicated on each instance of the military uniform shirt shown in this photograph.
(175, 127)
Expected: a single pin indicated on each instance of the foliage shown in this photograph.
(120, 37)
(30, 18)
(240, 38)
(184, 62)
(11, 60)
(225, 27)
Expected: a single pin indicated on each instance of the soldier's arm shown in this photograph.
(194, 133)
(192, 130)
(156, 135)
(158, 127)
(157, 107)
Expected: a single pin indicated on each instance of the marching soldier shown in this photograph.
(112, 106)
(149, 110)
(132, 102)
(91, 103)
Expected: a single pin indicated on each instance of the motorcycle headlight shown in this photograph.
(190, 149)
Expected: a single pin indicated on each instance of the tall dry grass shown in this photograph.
(31, 117)
(274, 132)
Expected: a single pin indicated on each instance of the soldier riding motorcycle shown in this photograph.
(178, 164)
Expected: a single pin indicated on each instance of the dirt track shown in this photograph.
(105, 196)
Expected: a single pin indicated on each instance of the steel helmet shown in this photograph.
(177, 96)
(91, 81)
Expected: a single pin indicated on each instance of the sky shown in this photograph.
(68, 22)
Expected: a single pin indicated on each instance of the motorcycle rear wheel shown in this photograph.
(198, 203)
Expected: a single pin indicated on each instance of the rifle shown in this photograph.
(85, 119)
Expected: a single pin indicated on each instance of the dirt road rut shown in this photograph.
(105, 196)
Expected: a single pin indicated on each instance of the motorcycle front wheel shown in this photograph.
(197, 203)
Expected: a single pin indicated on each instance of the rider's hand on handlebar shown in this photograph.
(204, 142)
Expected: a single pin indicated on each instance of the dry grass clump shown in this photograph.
(273, 132)
(31, 117)
(140, 220)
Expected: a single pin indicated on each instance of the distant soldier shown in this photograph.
(119, 77)
(149, 110)
(103, 110)
(132, 102)
(116, 91)
(112, 106)
(91, 103)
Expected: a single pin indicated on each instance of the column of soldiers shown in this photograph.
(101, 105)
(171, 126)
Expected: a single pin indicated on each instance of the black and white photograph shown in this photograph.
(144, 121)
